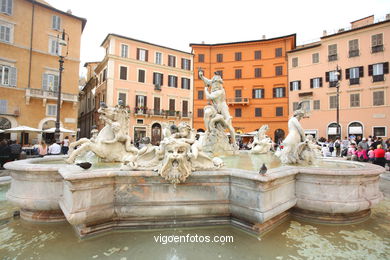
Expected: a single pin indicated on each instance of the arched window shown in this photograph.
(332, 131)
(156, 134)
(4, 123)
(355, 129)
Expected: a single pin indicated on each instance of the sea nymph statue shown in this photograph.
(261, 142)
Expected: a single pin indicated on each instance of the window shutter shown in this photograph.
(339, 76)
(182, 83)
(162, 79)
(291, 86)
(136, 100)
(327, 76)
(45, 81)
(361, 72)
(182, 63)
(189, 65)
(9, 7)
(321, 82)
(154, 78)
(137, 53)
(253, 93)
(58, 22)
(311, 83)
(385, 67)
(262, 93)
(370, 69)
(347, 73)
(145, 102)
(284, 91)
(175, 79)
(13, 76)
(56, 83)
(299, 85)
(146, 55)
(274, 92)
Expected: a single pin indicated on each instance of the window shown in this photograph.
(379, 98)
(171, 61)
(142, 54)
(316, 105)
(156, 106)
(295, 85)
(200, 112)
(237, 56)
(185, 83)
(279, 70)
(379, 131)
(141, 102)
(200, 94)
(219, 57)
(124, 50)
(353, 48)
(220, 73)
(104, 75)
(123, 73)
(279, 92)
(294, 62)
(316, 83)
(258, 112)
(56, 22)
(257, 72)
(141, 76)
(8, 76)
(315, 57)
(185, 64)
(278, 52)
(333, 77)
(184, 110)
(201, 58)
(50, 82)
(238, 73)
(158, 79)
(3, 108)
(6, 6)
(158, 58)
(237, 112)
(332, 52)
(377, 43)
(258, 93)
(378, 70)
(54, 47)
(123, 98)
(257, 55)
(332, 102)
(6, 32)
(279, 111)
(354, 100)
(172, 81)
(353, 74)
(51, 110)
(238, 93)
(140, 121)
(172, 107)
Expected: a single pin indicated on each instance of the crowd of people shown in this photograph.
(11, 150)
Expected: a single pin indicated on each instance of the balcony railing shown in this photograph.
(332, 84)
(161, 113)
(355, 81)
(377, 48)
(45, 94)
(377, 78)
(237, 101)
(353, 53)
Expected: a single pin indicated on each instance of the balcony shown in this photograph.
(378, 48)
(140, 111)
(157, 87)
(377, 78)
(332, 57)
(237, 101)
(353, 53)
(355, 81)
(10, 112)
(49, 95)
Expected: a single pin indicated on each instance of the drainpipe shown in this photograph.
(31, 42)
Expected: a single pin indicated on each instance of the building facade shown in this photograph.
(255, 81)
(154, 81)
(359, 58)
(29, 67)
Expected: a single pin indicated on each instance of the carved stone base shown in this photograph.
(328, 218)
(42, 216)
(218, 144)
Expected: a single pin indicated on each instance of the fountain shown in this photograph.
(132, 189)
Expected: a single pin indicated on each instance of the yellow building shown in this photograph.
(29, 67)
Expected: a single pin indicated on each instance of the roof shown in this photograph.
(305, 47)
(90, 62)
(355, 29)
(252, 41)
(46, 5)
(132, 39)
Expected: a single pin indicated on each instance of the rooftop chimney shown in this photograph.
(69, 11)
(362, 22)
(324, 33)
(263, 37)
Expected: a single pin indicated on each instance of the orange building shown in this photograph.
(255, 81)
(29, 67)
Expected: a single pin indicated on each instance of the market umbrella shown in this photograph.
(62, 130)
(22, 129)
(1, 131)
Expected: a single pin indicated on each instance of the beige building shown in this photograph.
(154, 81)
(361, 54)
(29, 67)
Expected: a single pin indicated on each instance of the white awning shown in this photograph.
(310, 132)
(332, 130)
(355, 130)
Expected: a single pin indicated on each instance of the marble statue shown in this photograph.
(112, 143)
(217, 118)
(297, 148)
(261, 142)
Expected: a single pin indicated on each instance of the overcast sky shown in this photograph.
(177, 23)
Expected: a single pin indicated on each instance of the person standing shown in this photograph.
(379, 156)
(54, 149)
(5, 152)
(65, 145)
(337, 145)
(387, 157)
(16, 149)
(363, 143)
(42, 149)
(331, 147)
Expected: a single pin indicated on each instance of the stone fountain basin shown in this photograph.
(97, 200)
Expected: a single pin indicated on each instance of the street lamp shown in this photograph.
(337, 101)
(64, 43)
